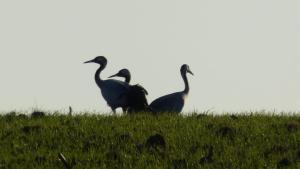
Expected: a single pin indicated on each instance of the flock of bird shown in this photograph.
(132, 98)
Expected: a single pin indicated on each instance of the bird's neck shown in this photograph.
(97, 75)
(127, 79)
(186, 83)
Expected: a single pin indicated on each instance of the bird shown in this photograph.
(123, 73)
(137, 101)
(174, 102)
(113, 91)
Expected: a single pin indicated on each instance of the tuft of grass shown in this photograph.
(147, 141)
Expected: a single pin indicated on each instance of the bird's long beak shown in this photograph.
(189, 71)
(90, 61)
(117, 74)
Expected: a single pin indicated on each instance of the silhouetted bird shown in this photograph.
(113, 91)
(137, 100)
(174, 102)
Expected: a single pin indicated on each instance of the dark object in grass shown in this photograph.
(22, 116)
(234, 117)
(225, 132)
(298, 154)
(64, 161)
(208, 158)
(284, 163)
(180, 164)
(29, 129)
(38, 114)
(156, 141)
(292, 127)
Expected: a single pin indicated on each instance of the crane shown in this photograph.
(174, 102)
(137, 100)
(113, 91)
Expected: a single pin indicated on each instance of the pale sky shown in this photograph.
(245, 54)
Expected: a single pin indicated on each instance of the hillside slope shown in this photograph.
(146, 141)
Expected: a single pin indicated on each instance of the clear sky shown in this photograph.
(245, 54)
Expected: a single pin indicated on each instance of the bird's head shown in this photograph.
(99, 59)
(122, 73)
(186, 69)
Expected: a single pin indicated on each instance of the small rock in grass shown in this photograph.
(284, 163)
(156, 141)
(38, 114)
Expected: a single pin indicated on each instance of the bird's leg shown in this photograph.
(114, 111)
(124, 109)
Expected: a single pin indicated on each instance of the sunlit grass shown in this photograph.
(147, 141)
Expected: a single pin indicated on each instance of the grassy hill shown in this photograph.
(147, 141)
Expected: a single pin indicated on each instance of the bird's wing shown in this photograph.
(112, 90)
(141, 88)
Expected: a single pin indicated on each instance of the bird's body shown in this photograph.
(113, 91)
(174, 102)
(136, 96)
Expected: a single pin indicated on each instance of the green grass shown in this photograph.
(195, 141)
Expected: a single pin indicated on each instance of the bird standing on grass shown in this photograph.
(113, 91)
(173, 103)
(137, 100)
